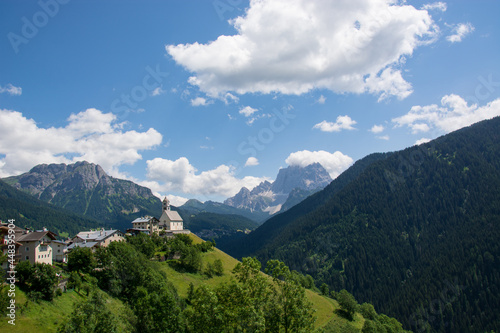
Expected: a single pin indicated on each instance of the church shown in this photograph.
(170, 222)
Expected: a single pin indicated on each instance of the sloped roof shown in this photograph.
(86, 244)
(97, 235)
(144, 219)
(173, 216)
(36, 236)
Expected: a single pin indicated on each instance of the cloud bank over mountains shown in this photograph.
(90, 135)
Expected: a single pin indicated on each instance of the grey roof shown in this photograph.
(143, 219)
(35, 236)
(97, 235)
(86, 244)
(173, 216)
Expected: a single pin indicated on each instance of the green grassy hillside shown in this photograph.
(48, 316)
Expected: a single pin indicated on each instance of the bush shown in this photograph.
(206, 246)
(81, 259)
(90, 315)
(144, 244)
(37, 280)
(347, 303)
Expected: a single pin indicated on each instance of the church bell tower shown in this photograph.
(165, 205)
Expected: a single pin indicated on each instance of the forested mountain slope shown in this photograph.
(416, 234)
(31, 212)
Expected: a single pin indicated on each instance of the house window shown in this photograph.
(27, 258)
(27, 248)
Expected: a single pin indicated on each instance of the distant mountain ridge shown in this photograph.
(270, 197)
(194, 206)
(85, 188)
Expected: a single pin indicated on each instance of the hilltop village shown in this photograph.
(43, 246)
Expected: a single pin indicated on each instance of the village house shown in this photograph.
(96, 238)
(59, 249)
(146, 224)
(36, 246)
(4, 242)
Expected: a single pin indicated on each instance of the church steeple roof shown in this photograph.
(166, 204)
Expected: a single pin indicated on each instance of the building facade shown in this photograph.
(149, 223)
(36, 247)
(96, 238)
(170, 220)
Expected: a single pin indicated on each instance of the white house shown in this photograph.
(59, 249)
(37, 246)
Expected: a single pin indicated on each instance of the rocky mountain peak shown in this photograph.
(307, 178)
(268, 197)
(86, 189)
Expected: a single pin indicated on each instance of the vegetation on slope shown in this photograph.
(31, 212)
(416, 234)
(213, 226)
(119, 289)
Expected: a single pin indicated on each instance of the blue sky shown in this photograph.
(196, 99)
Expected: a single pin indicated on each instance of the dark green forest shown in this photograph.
(217, 226)
(415, 233)
(36, 214)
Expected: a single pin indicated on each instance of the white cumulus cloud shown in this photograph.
(11, 90)
(295, 46)
(454, 113)
(90, 135)
(459, 31)
(200, 101)
(435, 6)
(342, 123)
(422, 141)
(335, 163)
(157, 91)
(181, 176)
(247, 111)
(377, 129)
(252, 161)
